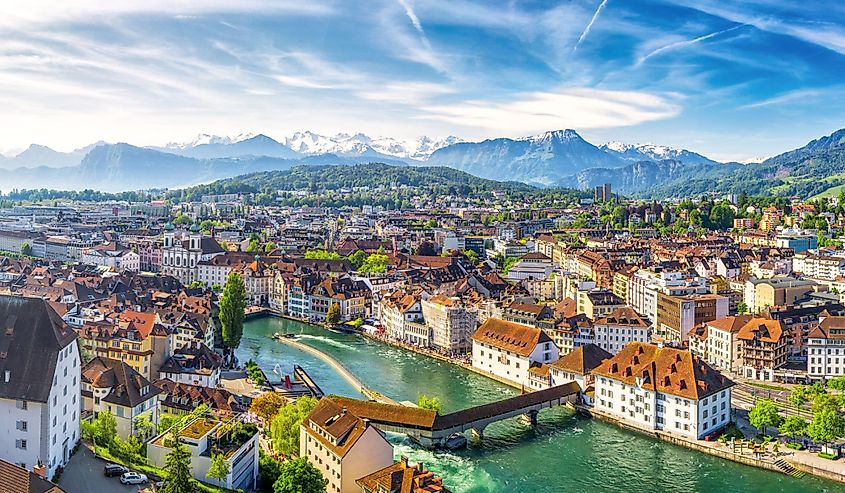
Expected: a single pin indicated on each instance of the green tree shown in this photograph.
(299, 476)
(269, 470)
(837, 383)
(375, 264)
(764, 414)
(254, 246)
(26, 249)
(284, 429)
(321, 255)
(357, 259)
(722, 216)
(181, 220)
(471, 256)
(266, 405)
(741, 307)
(104, 429)
(793, 425)
(827, 425)
(333, 315)
(430, 403)
(508, 263)
(232, 306)
(196, 285)
(216, 287)
(144, 427)
(177, 468)
(270, 246)
(219, 469)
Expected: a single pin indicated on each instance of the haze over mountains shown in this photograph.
(555, 158)
(545, 160)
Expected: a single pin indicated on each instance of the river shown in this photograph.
(564, 453)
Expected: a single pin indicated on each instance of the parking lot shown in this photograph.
(84, 474)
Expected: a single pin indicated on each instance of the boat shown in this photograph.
(279, 335)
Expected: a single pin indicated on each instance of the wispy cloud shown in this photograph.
(581, 108)
(789, 97)
(683, 44)
(589, 25)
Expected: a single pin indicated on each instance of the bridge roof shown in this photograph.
(497, 408)
(412, 417)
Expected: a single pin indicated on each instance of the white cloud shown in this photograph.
(580, 108)
(589, 25)
(685, 43)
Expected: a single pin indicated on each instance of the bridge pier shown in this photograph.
(530, 418)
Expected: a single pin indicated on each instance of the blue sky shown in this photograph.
(730, 79)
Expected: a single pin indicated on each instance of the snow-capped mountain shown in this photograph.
(202, 139)
(358, 144)
(653, 152)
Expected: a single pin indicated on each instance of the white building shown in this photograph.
(343, 447)
(620, 327)
(534, 265)
(826, 268)
(39, 385)
(112, 255)
(451, 321)
(202, 437)
(112, 386)
(721, 343)
(180, 257)
(826, 349)
(577, 366)
(664, 389)
(509, 349)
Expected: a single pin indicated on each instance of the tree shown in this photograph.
(299, 476)
(471, 256)
(269, 470)
(508, 263)
(827, 425)
(764, 414)
(219, 469)
(104, 429)
(182, 219)
(741, 307)
(177, 467)
(793, 425)
(333, 315)
(254, 246)
(357, 259)
(321, 255)
(375, 264)
(270, 246)
(284, 429)
(837, 383)
(144, 427)
(26, 250)
(430, 403)
(197, 285)
(266, 405)
(232, 305)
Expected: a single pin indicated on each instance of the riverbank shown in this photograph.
(340, 369)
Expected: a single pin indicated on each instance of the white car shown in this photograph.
(133, 478)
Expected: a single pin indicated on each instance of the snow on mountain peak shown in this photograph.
(308, 142)
(203, 139)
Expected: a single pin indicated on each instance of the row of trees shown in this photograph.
(361, 261)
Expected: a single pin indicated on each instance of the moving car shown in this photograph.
(133, 478)
(112, 470)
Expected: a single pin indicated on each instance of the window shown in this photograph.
(20, 425)
(20, 444)
(21, 404)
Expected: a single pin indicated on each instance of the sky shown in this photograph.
(730, 79)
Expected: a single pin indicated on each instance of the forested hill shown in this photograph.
(317, 178)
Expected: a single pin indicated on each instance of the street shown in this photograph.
(84, 474)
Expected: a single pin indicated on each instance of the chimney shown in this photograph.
(40, 469)
(344, 411)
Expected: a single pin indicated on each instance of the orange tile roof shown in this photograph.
(511, 336)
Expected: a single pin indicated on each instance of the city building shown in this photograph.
(112, 386)
(618, 328)
(39, 385)
(400, 477)
(677, 315)
(343, 447)
(452, 323)
(16, 479)
(763, 348)
(826, 349)
(508, 349)
(665, 389)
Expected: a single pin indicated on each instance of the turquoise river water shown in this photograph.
(564, 453)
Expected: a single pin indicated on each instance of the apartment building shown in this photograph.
(508, 349)
(619, 328)
(826, 349)
(343, 447)
(40, 378)
(112, 386)
(677, 315)
(763, 348)
(663, 388)
(452, 322)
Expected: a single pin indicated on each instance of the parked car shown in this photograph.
(112, 470)
(133, 478)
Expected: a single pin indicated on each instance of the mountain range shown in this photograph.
(554, 158)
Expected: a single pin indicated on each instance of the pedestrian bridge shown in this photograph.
(432, 430)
